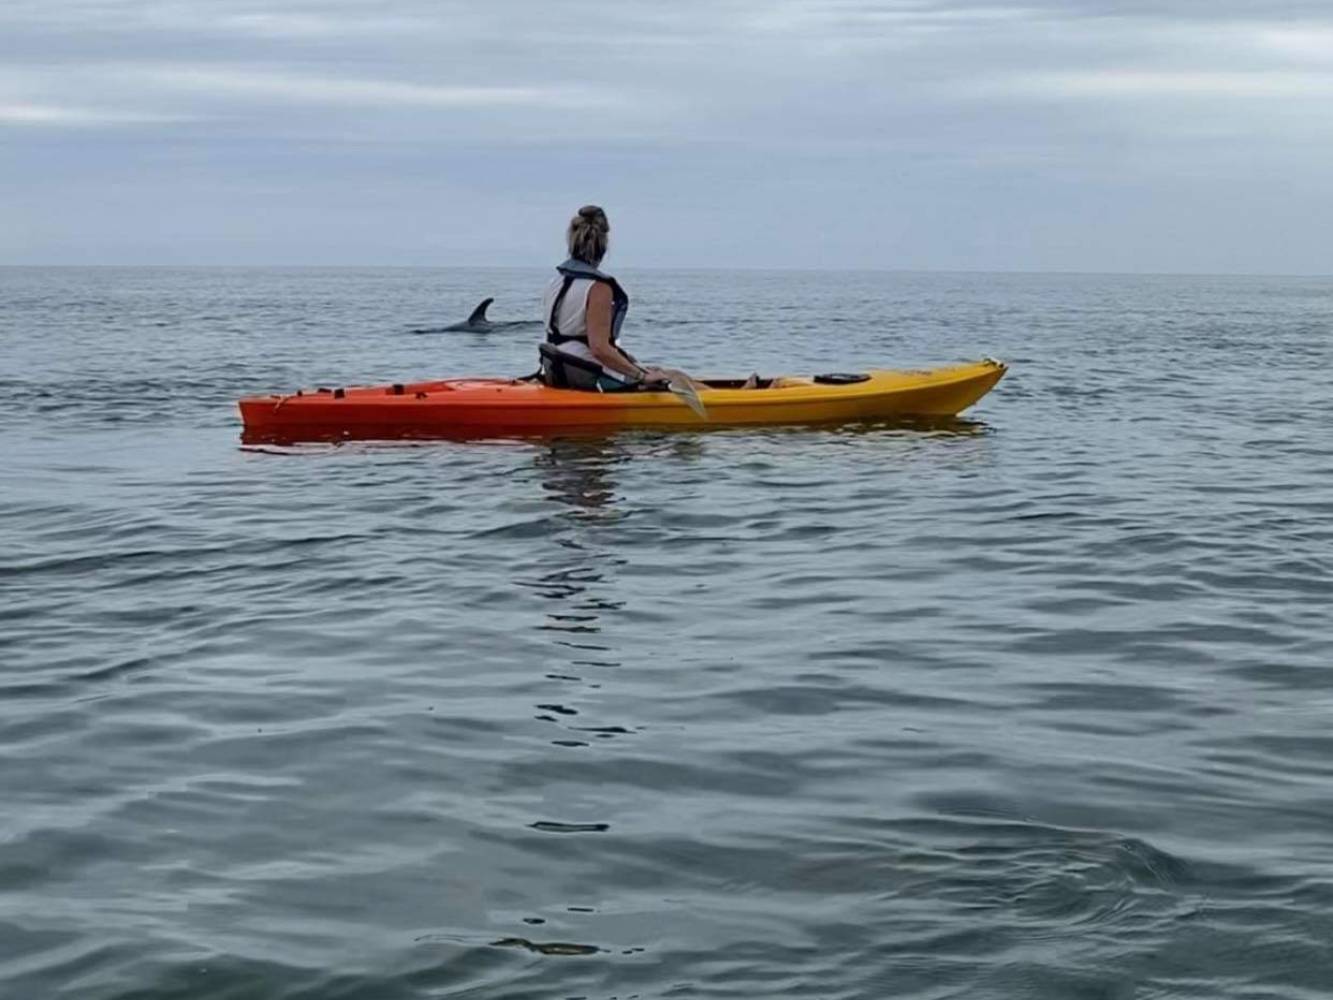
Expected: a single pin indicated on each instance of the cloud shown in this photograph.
(1311, 42)
(297, 25)
(268, 85)
(1135, 84)
(47, 114)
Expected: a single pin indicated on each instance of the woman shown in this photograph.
(583, 310)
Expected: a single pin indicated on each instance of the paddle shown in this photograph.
(682, 386)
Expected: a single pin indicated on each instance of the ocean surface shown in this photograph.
(1039, 705)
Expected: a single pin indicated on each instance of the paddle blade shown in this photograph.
(685, 392)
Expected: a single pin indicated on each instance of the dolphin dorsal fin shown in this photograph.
(479, 313)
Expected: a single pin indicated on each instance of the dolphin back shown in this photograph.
(479, 313)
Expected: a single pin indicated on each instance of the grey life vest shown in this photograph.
(573, 270)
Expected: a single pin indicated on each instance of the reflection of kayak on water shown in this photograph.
(479, 405)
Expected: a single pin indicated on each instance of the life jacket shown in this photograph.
(573, 270)
(568, 371)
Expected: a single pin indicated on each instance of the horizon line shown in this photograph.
(789, 269)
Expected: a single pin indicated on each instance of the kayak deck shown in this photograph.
(475, 406)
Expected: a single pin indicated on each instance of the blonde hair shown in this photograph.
(588, 235)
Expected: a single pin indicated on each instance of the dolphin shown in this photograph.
(477, 322)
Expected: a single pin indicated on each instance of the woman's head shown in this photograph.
(588, 235)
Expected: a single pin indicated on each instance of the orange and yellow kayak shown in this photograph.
(480, 406)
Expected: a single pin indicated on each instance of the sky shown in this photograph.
(1089, 135)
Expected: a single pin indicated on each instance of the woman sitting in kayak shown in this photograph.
(583, 309)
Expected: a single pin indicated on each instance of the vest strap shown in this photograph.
(553, 334)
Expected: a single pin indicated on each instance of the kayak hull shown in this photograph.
(469, 407)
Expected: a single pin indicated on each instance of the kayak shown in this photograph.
(480, 406)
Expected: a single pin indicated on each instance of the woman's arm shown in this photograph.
(599, 334)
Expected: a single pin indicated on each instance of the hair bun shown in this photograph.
(595, 215)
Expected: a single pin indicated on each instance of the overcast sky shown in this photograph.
(1172, 135)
